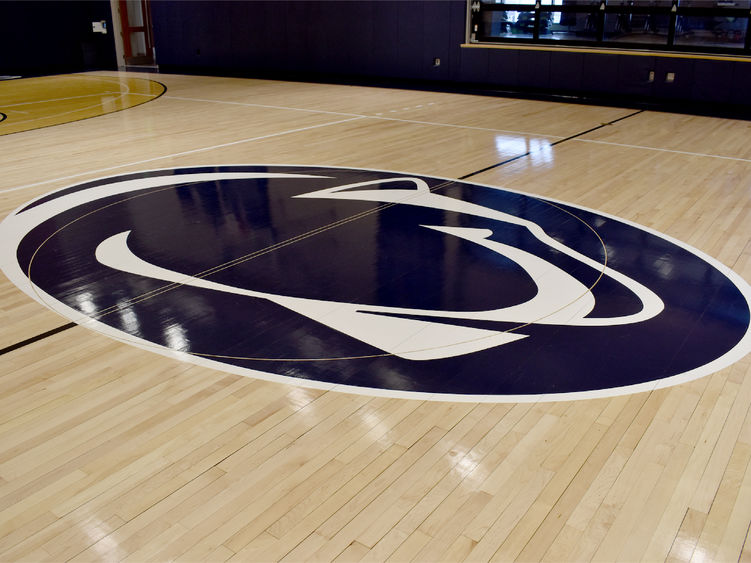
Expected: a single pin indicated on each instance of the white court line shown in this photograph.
(261, 106)
(64, 99)
(17, 188)
(120, 96)
(110, 79)
(100, 78)
(353, 118)
(376, 116)
(466, 127)
(663, 150)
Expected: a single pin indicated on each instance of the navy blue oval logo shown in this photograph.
(379, 282)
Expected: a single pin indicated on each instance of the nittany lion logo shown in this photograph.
(379, 282)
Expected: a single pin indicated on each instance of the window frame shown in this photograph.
(673, 10)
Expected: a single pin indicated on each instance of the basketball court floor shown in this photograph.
(248, 320)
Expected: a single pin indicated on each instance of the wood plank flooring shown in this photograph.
(33, 103)
(112, 453)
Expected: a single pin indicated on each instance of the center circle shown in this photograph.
(378, 282)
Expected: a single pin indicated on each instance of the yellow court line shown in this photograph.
(59, 99)
(121, 95)
(55, 100)
(606, 51)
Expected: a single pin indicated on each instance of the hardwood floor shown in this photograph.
(33, 103)
(109, 452)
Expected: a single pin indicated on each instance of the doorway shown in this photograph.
(137, 33)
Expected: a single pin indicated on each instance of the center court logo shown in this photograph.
(379, 282)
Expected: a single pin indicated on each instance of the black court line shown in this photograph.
(558, 142)
(2, 116)
(36, 338)
(65, 327)
(98, 115)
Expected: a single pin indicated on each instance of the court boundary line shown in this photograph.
(674, 151)
(202, 149)
(151, 99)
(40, 336)
(381, 117)
(470, 127)
(120, 97)
(128, 93)
(569, 138)
(356, 116)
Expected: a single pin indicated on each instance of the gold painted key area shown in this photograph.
(31, 103)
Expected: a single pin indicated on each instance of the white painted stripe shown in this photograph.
(376, 116)
(120, 95)
(435, 124)
(142, 94)
(203, 149)
(77, 110)
(169, 97)
(74, 98)
(689, 153)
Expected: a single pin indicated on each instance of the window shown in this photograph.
(689, 25)
(642, 22)
(510, 20)
(702, 23)
(570, 20)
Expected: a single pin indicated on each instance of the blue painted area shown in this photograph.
(377, 254)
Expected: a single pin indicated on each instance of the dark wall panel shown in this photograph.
(401, 39)
(54, 37)
(214, 41)
(437, 26)
(566, 71)
(272, 26)
(360, 25)
(301, 42)
(683, 78)
(740, 92)
(385, 38)
(634, 75)
(600, 74)
(503, 67)
(713, 81)
(473, 65)
(458, 25)
(168, 21)
(410, 63)
(534, 69)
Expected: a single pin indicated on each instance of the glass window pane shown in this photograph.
(508, 24)
(594, 3)
(138, 43)
(530, 2)
(642, 3)
(703, 25)
(735, 4)
(637, 28)
(570, 26)
(135, 16)
(711, 31)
